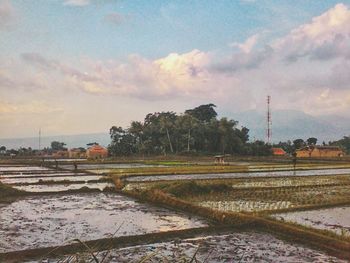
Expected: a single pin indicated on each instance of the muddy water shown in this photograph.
(62, 187)
(335, 219)
(46, 174)
(108, 166)
(238, 175)
(50, 179)
(236, 247)
(22, 168)
(57, 219)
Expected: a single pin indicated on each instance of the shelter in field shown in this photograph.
(96, 152)
(278, 152)
(77, 153)
(219, 159)
(320, 152)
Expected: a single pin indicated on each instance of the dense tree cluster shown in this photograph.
(343, 143)
(291, 147)
(197, 130)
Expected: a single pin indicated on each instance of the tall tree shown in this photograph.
(58, 146)
(203, 113)
(311, 141)
(298, 143)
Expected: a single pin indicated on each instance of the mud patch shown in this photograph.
(237, 247)
(336, 219)
(238, 175)
(58, 219)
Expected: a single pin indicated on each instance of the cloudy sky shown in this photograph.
(81, 66)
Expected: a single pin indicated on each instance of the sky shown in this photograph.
(82, 66)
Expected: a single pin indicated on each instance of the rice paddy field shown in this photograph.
(175, 211)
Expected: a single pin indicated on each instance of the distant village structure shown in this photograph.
(77, 153)
(316, 151)
(96, 151)
(278, 152)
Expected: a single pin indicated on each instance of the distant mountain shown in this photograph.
(72, 141)
(292, 124)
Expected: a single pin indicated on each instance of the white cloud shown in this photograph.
(248, 45)
(325, 37)
(238, 83)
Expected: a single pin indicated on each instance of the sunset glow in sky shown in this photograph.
(80, 66)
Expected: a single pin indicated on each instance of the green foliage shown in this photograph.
(9, 192)
(298, 143)
(195, 131)
(192, 188)
(58, 146)
(343, 143)
(258, 148)
(203, 113)
(286, 146)
(311, 141)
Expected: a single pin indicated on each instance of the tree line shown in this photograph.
(197, 130)
(291, 146)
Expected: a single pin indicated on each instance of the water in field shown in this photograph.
(43, 180)
(53, 188)
(49, 173)
(57, 219)
(235, 247)
(22, 168)
(238, 175)
(336, 219)
(107, 166)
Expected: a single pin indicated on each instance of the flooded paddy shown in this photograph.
(51, 179)
(107, 166)
(245, 205)
(57, 219)
(9, 169)
(46, 174)
(336, 219)
(234, 247)
(53, 188)
(238, 175)
(264, 199)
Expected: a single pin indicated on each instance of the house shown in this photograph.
(77, 153)
(319, 152)
(96, 151)
(60, 154)
(278, 152)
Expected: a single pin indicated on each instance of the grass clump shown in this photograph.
(7, 193)
(192, 188)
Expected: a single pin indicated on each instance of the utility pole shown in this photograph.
(39, 139)
(268, 121)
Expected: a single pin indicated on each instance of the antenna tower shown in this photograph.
(269, 121)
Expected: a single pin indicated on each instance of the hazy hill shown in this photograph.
(292, 124)
(72, 141)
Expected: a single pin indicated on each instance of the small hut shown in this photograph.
(219, 159)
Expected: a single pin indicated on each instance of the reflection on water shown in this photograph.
(50, 179)
(234, 247)
(62, 187)
(238, 175)
(336, 219)
(54, 220)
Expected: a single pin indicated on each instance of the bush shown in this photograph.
(192, 188)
